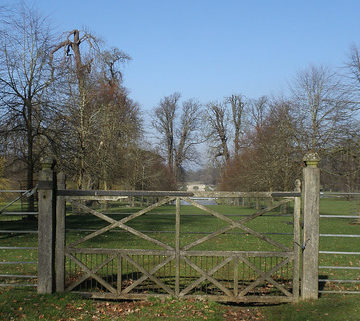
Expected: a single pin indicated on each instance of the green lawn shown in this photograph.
(193, 221)
(24, 304)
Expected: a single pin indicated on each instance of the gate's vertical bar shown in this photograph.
(310, 273)
(177, 247)
(236, 276)
(60, 235)
(46, 227)
(119, 274)
(297, 241)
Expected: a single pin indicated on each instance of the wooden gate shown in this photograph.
(224, 265)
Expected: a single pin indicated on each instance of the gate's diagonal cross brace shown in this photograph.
(93, 212)
(206, 276)
(27, 193)
(264, 276)
(265, 210)
(91, 273)
(207, 237)
(147, 209)
(149, 274)
(234, 224)
(120, 224)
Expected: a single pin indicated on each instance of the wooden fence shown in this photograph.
(177, 267)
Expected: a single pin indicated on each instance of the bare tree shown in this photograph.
(101, 119)
(321, 107)
(179, 134)
(353, 67)
(237, 107)
(164, 123)
(24, 79)
(270, 160)
(258, 109)
(75, 65)
(225, 120)
(188, 135)
(217, 119)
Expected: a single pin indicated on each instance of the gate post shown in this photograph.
(46, 227)
(310, 273)
(60, 235)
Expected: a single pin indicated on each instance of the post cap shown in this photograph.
(311, 159)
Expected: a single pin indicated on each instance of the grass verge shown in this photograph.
(26, 304)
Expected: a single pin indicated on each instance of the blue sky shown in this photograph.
(211, 49)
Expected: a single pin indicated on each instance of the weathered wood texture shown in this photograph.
(46, 227)
(60, 236)
(182, 257)
(310, 273)
(297, 240)
(99, 194)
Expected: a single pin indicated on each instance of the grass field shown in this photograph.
(193, 223)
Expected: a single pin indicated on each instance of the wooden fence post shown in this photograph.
(60, 235)
(46, 227)
(310, 273)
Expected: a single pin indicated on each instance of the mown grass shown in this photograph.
(27, 305)
(334, 307)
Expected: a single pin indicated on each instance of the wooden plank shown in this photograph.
(216, 194)
(182, 253)
(208, 210)
(206, 276)
(92, 193)
(145, 237)
(264, 276)
(208, 237)
(126, 228)
(238, 253)
(119, 274)
(148, 275)
(94, 234)
(147, 209)
(177, 248)
(91, 273)
(46, 238)
(237, 224)
(310, 273)
(243, 299)
(120, 224)
(265, 210)
(220, 298)
(209, 194)
(93, 212)
(236, 275)
(95, 198)
(297, 242)
(71, 250)
(60, 236)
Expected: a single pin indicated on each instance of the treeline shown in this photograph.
(320, 115)
(259, 144)
(63, 96)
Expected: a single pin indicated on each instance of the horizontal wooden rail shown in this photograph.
(69, 192)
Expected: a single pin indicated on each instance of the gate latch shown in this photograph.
(304, 244)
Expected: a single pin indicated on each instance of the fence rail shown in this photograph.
(351, 278)
(7, 266)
